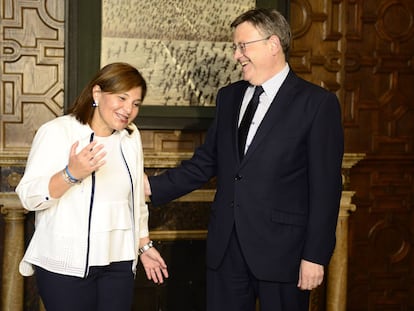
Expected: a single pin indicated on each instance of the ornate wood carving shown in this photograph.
(31, 67)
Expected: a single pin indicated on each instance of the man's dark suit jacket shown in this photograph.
(283, 197)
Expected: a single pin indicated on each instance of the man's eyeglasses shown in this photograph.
(242, 45)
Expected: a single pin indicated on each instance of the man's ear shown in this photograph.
(275, 43)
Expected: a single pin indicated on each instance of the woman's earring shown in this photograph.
(95, 104)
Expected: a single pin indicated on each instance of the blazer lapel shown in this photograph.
(275, 112)
(237, 99)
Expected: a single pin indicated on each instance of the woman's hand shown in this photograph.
(88, 160)
(80, 166)
(154, 265)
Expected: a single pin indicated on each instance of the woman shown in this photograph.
(84, 180)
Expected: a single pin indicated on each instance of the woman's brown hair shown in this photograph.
(113, 78)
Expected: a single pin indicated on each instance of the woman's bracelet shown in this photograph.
(69, 179)
(146, 247)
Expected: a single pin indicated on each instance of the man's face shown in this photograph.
(254, 53)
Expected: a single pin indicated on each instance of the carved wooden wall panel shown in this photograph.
(379, 120)
(170, 141)
(379, 77)
(317, 48)
(381, 252)
(31, 69)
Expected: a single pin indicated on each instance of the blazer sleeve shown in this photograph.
(190, 174)
(325, 152)
(48, 154)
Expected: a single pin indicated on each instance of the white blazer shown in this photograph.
(60, 241)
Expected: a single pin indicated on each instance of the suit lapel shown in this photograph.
(238, 99)
(275, 112)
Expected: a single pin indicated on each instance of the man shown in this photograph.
(273, 219)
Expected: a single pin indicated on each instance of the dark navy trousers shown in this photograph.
(107, 288)
(232, 287)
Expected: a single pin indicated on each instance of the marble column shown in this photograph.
(12, 283)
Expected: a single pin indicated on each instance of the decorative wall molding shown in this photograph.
(31, 69)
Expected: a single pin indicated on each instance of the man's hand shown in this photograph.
(310, 275)
(147, 186)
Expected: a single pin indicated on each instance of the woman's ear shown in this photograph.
(96, 93)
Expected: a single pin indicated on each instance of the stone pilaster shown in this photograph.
(337, 275)
(12, 283)
(336, 287)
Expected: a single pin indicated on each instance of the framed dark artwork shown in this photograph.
(182, 48)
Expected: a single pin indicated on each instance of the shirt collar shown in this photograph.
(272, 86)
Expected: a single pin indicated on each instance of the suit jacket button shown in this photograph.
(238, 177)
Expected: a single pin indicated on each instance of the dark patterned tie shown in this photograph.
(247, 119)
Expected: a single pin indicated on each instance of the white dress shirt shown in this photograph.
(270, 87)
